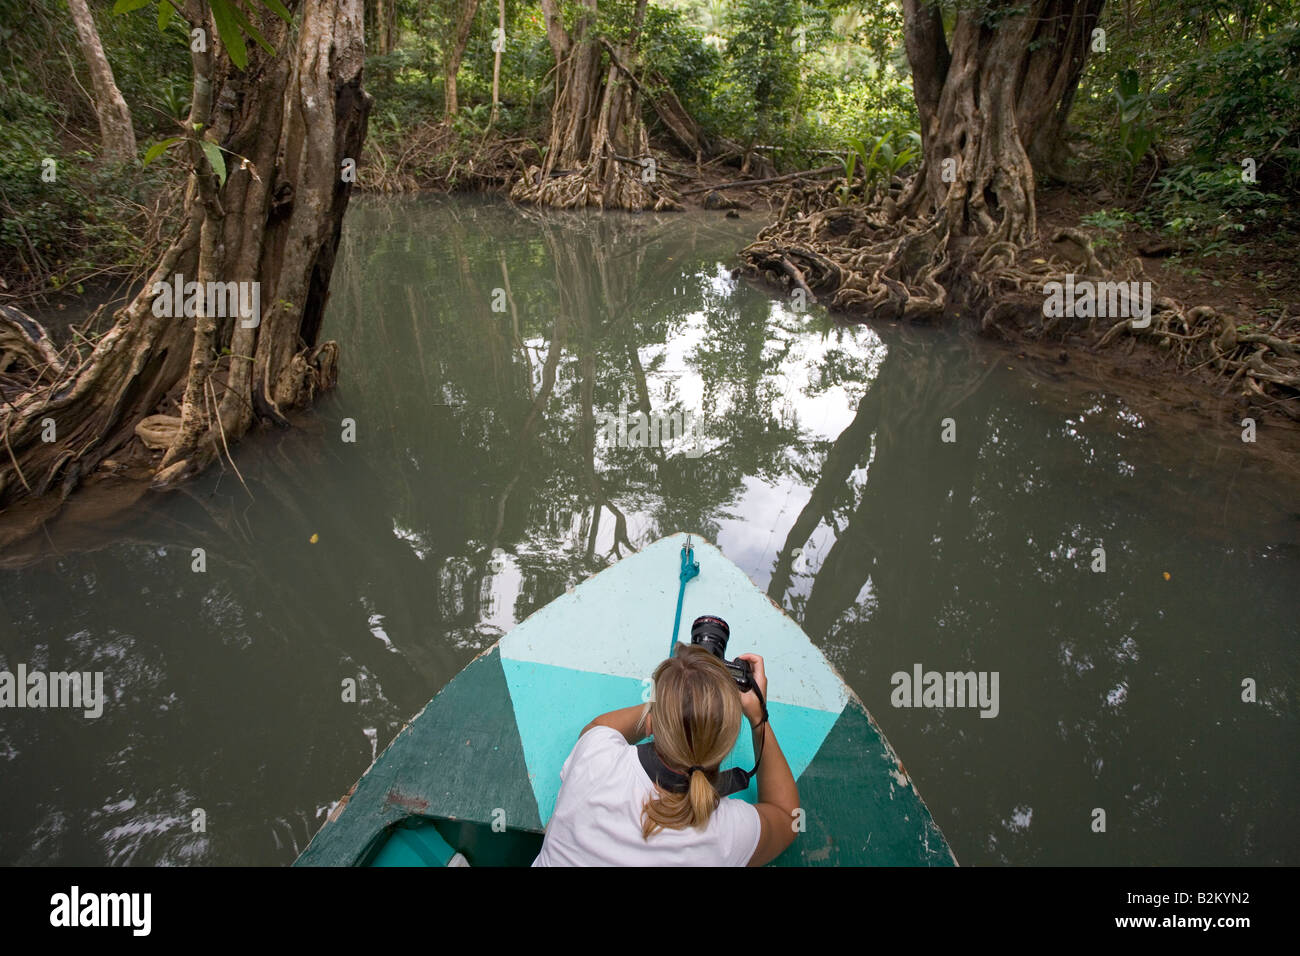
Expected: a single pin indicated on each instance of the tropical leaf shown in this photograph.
(279, 9)
(213, 152)
(157, 149)
(228, 30)
(251, 30)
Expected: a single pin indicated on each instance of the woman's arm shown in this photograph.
(778, 799)
(632, 722)
(778, 795)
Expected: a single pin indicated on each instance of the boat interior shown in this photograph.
(434, 841)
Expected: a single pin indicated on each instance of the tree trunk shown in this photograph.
(115, 127)
(464, 26)
(382, 33)
(498, 49)
(390, 26)
(287, 124)
(997, 95)
(598, 152)
(987, 103)
(577, 86)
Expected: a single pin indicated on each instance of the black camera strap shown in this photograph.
(733, 780)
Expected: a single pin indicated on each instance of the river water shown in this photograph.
(486, 352)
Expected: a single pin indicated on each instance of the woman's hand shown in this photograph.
(749, 701)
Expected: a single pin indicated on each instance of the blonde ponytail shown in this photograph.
(696, 717)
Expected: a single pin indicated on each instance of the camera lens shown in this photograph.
(712, 634)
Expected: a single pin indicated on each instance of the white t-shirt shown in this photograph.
(597, 818)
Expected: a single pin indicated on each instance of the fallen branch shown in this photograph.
(763, 182)
(793, 272)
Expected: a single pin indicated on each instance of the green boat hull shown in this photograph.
(476, 772)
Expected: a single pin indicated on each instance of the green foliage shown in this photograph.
(1112, 223)
(692, 67)
(761, 84)
(157, 149)
(213, 152)
(1183, 94)
(1206, 211)
(877, 162)
(53, 234)
(400, 86)
(231, 22)
(777, 72)
(1245, 102)
(408, 83)
(798, 77)
(1136, 131)
(41, 57)
(1208, 207)
(174, 95)
(90, 218)
(1108, 220)
(473, 120)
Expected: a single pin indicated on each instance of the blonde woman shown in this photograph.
(665, 803)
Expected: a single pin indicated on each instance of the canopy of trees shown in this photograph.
(135, 153)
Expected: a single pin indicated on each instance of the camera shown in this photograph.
(712, 634)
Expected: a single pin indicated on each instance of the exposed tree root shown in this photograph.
(25, 347)
(855, 263)
(858, 261)
(619, 189)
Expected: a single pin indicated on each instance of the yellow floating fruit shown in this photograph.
(316, 537)
(1166, 574)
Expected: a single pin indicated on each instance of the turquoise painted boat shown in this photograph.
(474, 776)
